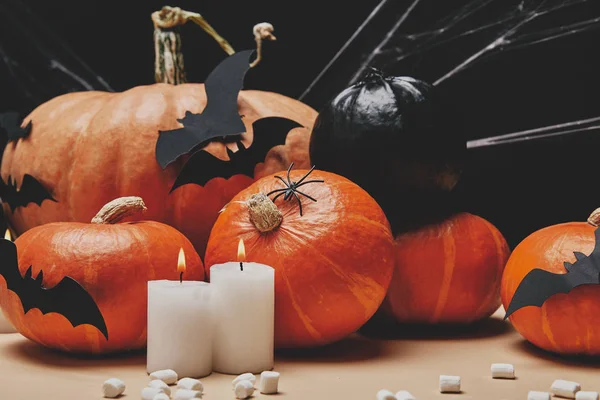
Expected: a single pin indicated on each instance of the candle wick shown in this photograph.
(241, 266)
(181, 277)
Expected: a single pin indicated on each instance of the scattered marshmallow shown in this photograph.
(586, 395)
(149, 393)
(449, 384)
(243, 389)
(269, 382)
(190, 384)
(385, 394)
(186, 394)
(113, 387)
(503, 371)
(567, 389)
(244, 377)
(405, 395)
(168, 376)
(533, 395)
(161, 396)
(158, 384)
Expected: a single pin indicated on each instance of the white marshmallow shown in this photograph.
(186, 394)
(269, 382)
(405, 395)
(567, 389)
(190, 384)
(533, 395)
(168, 376)
(449, 384)
(503, 371)
(158, 384)
(385, 394)
(113, 387)
(149, 393)
(161, 396)
(243, 389)
(244, 377)
(586, 395)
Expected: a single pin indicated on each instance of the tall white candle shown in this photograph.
(243, 303)
(5, 326)
(180, 327)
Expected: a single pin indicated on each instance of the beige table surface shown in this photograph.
(355, 368)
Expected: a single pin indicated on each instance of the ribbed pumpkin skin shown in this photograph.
(91, 147)
(566, 323)
(448, 272)
(332, 266)
(113, 263)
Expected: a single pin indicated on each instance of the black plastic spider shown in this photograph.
(291, 187)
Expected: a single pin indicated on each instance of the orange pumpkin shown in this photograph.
(447, 272)
(565, 323)
(112, 262)
(90, 147)
(333, 263)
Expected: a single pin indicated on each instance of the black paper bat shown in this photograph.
(68, 298)
(31, 191)
(203, 166)
(539, 285)
(220, 117)
(10, 126)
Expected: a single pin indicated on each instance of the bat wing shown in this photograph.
(32, 191)
(202, 167)
(220, 116)
(9, 122)
(9, 266)
(539, 285)
(268, 133)
(72, 301)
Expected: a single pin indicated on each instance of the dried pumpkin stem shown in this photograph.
(264, 214)
(262, 31)
(594, 218)
(116, 210)
(168, 63)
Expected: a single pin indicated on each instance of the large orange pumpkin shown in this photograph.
(447, 272)
(333, 263)
(565, 323)
(90, 147)
(112, 262)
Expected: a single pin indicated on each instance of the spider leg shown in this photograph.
(288, 195)
(276, 197)
(305, 195)
(305, 176)
(307, 182)
(299, 202)
(283, 180)
(276, 190)
(288, 174)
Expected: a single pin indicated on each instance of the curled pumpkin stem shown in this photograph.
(116, 210)
(291, 187)
(262, 31)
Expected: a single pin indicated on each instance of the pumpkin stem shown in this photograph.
(264, 214)
(261, 31)
(168, 62)
(594, 218)
(116, 210)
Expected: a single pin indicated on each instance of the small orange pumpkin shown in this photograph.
(333, 260)
(447, 272)
(565, 323)
(112, 262)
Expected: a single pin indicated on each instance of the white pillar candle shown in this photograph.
(244, 306)
(180, 327)
(5, 326)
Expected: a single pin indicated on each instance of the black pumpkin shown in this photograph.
(398, 140)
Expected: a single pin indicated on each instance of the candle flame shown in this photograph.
(7, 235)
(181, 261)
(241, 251)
